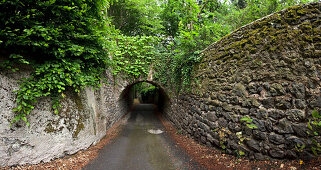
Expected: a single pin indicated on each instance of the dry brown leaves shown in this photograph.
(78, 160)
(211, 158)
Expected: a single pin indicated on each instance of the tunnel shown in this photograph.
(144, 92)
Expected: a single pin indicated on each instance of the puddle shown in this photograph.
(156, 132)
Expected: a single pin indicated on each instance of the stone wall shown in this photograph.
(83, 121)
(268, 71)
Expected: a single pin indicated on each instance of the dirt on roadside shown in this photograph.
(211, 158)
(78, 160)
(207, 157)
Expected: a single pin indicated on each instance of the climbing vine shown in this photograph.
(315, 126)
(64, 43)
(134, 55)
(68, 43)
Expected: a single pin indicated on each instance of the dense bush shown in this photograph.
(64, 41)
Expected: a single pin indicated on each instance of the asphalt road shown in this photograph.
(137, 147)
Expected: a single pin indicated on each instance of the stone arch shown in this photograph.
(126, 100)
(268, 70)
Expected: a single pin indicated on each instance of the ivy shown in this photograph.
(134, 55)
(64, 42)
(69, 43)
(315, 126)
(149, 89)
(248, 121)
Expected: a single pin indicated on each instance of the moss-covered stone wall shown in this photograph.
(268, 71)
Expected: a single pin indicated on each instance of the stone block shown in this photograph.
(276, 139)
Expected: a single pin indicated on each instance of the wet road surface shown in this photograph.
(137, 149)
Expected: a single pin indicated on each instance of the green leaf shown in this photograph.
(24, 119)
(246, 119)
(314, 151)
(315, 114)
(251, 126)
(241, 153)
(309, 125)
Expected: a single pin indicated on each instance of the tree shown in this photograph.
(136, 17)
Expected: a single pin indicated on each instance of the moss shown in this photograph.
(264, 36)
(308, 38)
(273, 48)
(317, 53)
(304, 11)
(80, 126)
(317, 33)
(260, 24)
(267, 31)
(252, 50)
(71, 114)
(49, 128)
(317, 23)
(237, 56)
(291, 14)
(305, 26)
(202, 66)
(254, 32)
(254, 40)
(78, 101)
(239, 44)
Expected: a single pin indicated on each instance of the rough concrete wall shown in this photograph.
(82, 121)
(270, 71)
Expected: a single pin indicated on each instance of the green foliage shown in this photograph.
(315, 124)
(136, 17)
(147, 90)
(170, 19)
(134, 55)
(12, 61)
(316, 115)
(245, 11)
(241, 153)
(190, 32)
(64, 41)
(315, 127)
(69, 43)
(193, 25)
(246, 119)
(316, 148)
(248, 122)
(179, 132)
(251, 126)
(300, 148)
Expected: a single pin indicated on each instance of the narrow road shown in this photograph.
(142, 144)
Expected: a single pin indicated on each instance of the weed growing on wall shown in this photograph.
(69, 43)
(315, 126)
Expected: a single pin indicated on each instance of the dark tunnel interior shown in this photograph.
(144, 93)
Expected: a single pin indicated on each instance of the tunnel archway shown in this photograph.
(159, 98)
